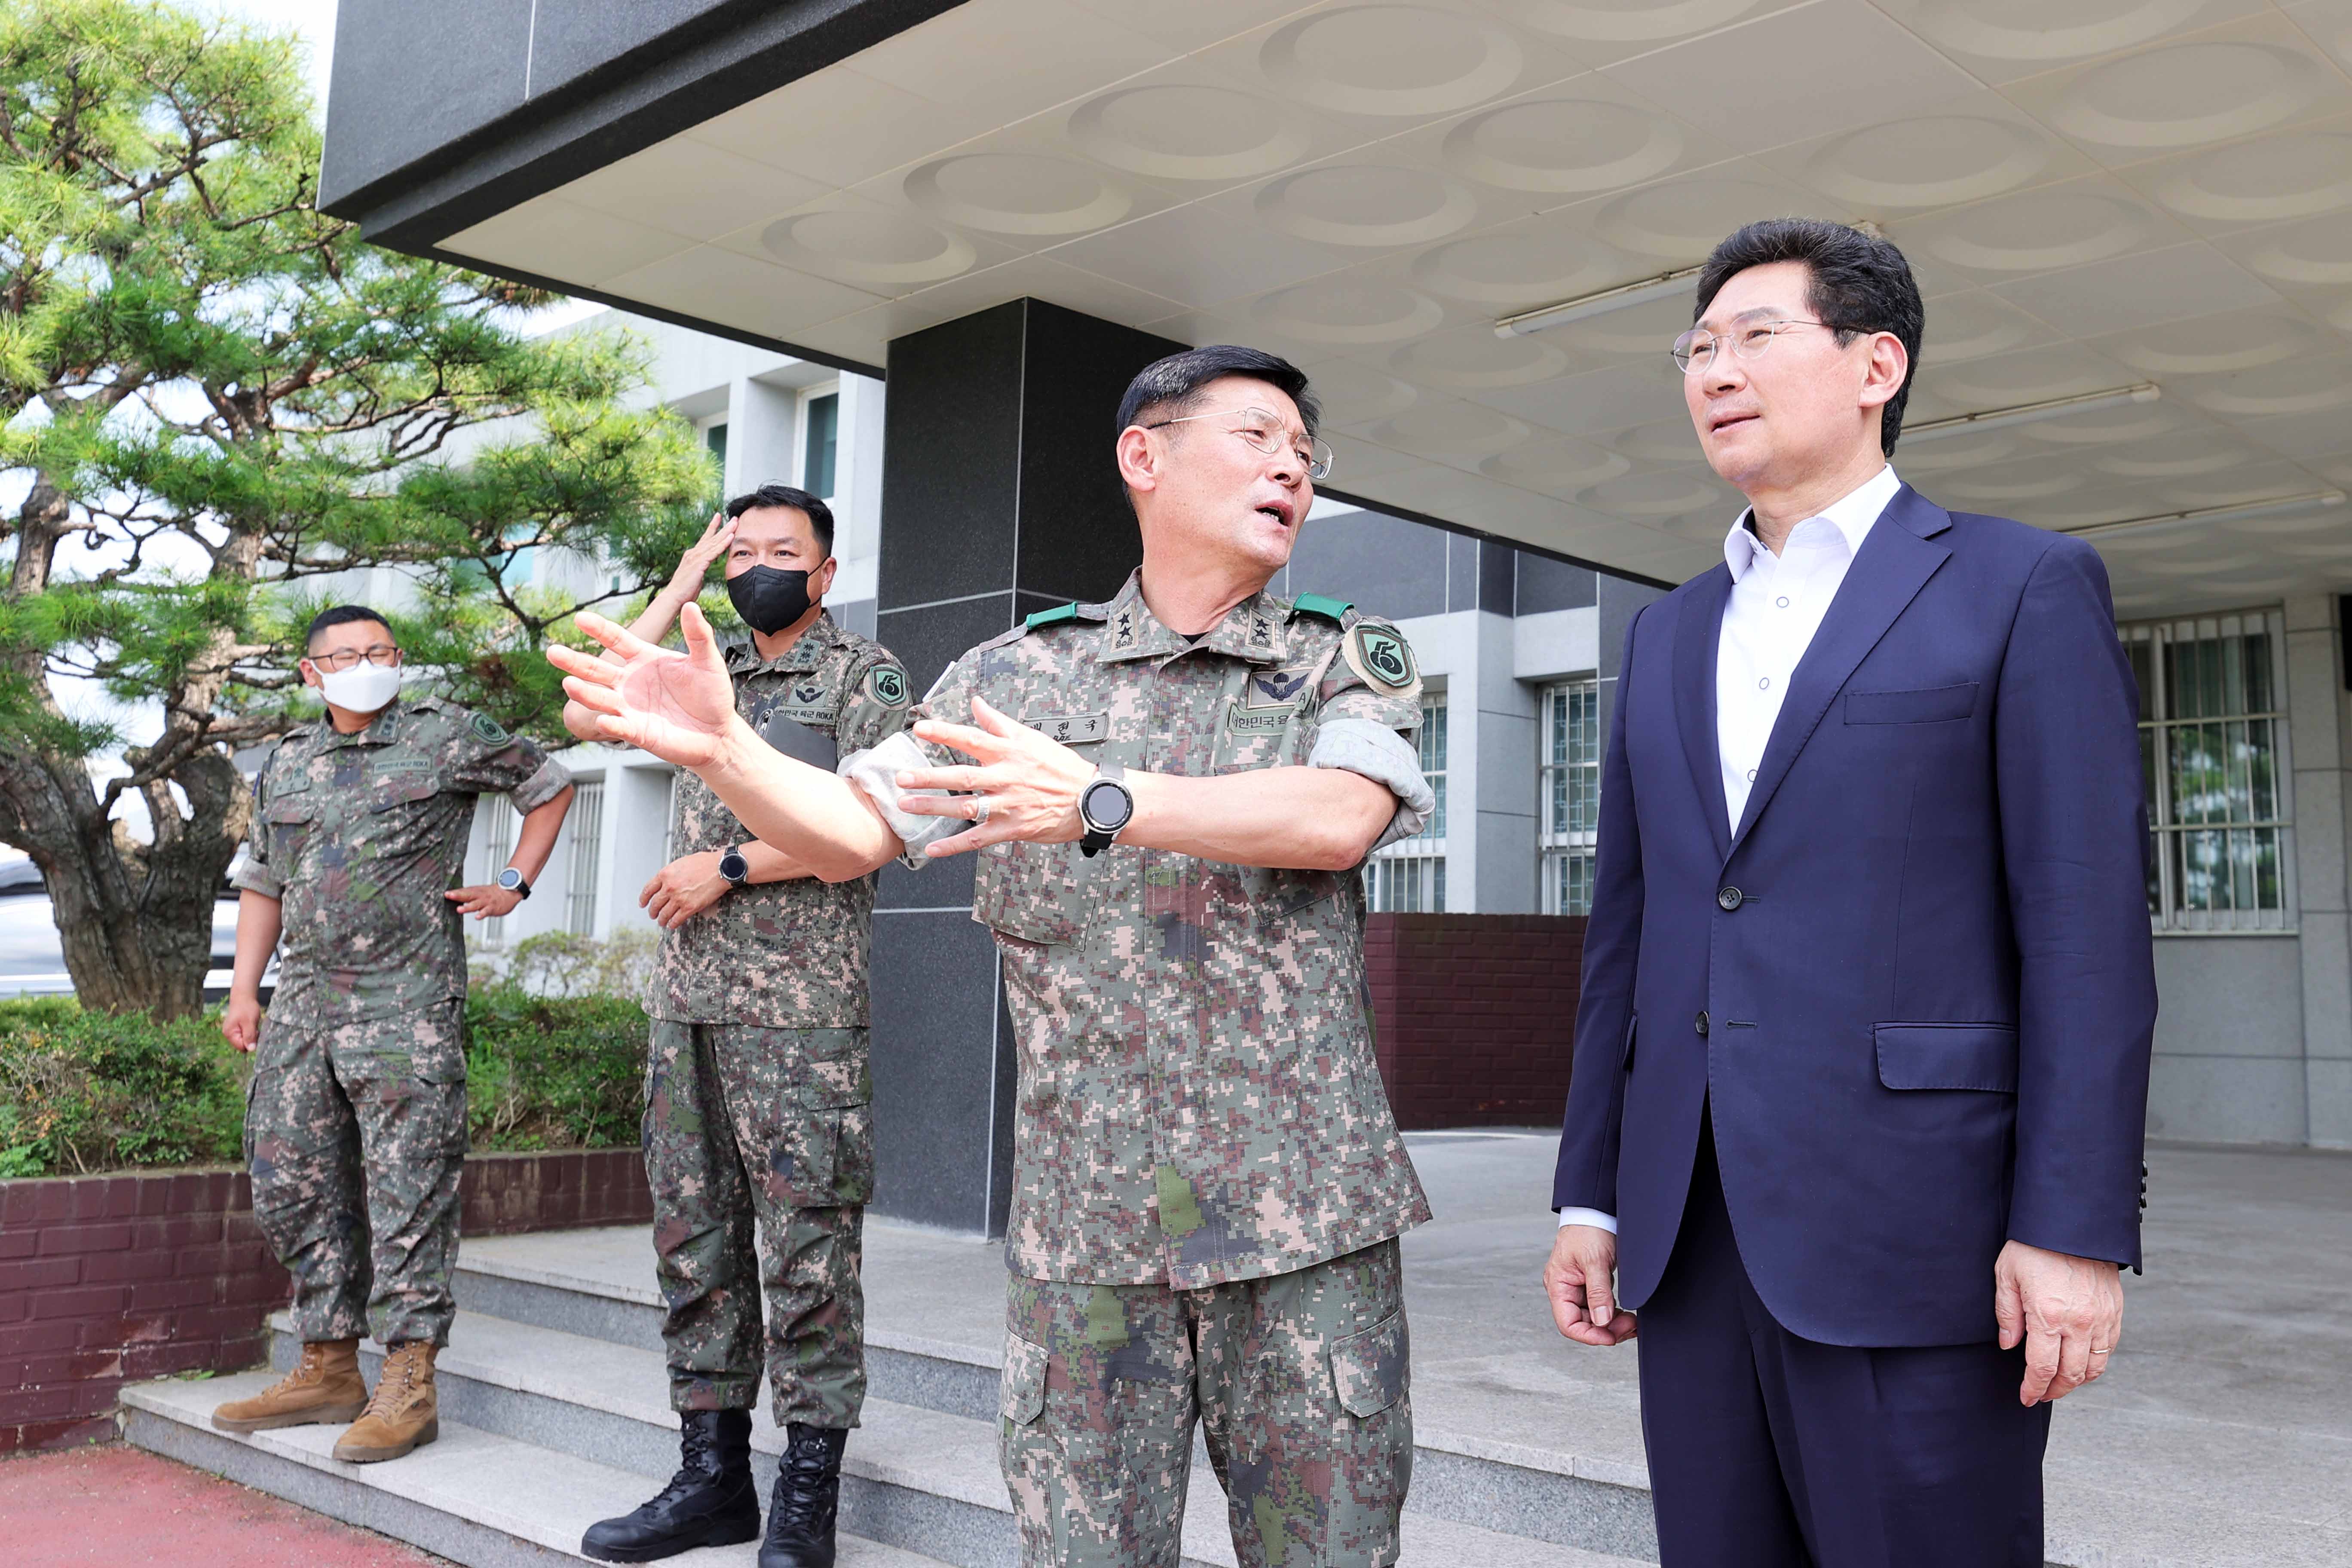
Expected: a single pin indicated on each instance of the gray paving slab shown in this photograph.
(916, 1476)
(474, 1497)
(2221, 1435)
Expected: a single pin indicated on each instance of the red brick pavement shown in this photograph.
(115, 1505)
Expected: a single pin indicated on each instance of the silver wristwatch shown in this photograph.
(1106, 806)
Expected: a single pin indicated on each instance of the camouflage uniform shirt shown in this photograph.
(792, 953)
(360, 834)
(1199, 1101)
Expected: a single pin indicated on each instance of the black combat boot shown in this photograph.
(807, 1499)
(711, 1501)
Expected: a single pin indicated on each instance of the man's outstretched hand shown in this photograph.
(677, 706)
(1580, 1283)
(1026, 786)
(2067, 1310)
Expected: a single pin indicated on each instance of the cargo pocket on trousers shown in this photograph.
(1021, 1393)
(1368, 1370)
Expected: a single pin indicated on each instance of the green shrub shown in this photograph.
(553, 1072)
(82, 1092)
(95, 1092)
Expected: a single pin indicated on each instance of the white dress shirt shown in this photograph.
(1775, 605)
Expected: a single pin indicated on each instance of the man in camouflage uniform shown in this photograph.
(758, 1090)
(1208, 1182)
(355, 1123)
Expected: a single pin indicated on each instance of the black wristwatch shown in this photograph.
(1106, 806)
(733, 867)
(514, 882)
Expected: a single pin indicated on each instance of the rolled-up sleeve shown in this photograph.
(1380, 754)
(550, 779)
(256, 875)
(485, 759)
(876, 770)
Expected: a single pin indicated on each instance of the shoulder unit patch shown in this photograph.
(886, 684)
(490, 730)
(1383, 658)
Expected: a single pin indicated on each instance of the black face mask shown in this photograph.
(769, 598)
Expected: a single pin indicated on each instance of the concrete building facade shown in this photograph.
(1473, 223)
(2246, 722)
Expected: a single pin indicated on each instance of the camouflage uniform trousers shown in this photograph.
(1302, 1385)
(748, 1124)
(355, 1134)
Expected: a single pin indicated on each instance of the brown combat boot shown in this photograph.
(404, 1412)
(325, 1386)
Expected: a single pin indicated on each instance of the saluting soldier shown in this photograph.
(1173, 793)
(355, 1127)
(757, 1104)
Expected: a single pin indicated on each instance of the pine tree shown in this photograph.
(215, 395)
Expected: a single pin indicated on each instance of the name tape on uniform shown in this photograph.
(1069, 729)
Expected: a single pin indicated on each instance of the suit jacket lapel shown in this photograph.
(1696, 634)
(1896, 560)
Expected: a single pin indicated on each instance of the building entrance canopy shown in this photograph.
(2132, 219)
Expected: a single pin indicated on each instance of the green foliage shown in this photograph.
(553, 1072)
(557, 964)
(85, 1092)
(219, 404)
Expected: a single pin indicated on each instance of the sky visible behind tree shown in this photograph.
(313, 22)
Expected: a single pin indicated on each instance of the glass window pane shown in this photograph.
(824, 438)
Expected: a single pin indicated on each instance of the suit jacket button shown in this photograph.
(1702, 1024)
(1730, 897)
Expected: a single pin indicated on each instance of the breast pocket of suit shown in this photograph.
(1926, 705)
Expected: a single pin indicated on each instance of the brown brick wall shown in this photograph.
(111, 1279)
(1474, 1015)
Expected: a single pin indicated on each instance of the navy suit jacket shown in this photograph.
(1915, 985)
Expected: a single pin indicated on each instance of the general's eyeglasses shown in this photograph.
(382, 655)
(1266, 431)
(1695, 349)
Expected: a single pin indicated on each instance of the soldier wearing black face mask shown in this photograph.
(756, 1114)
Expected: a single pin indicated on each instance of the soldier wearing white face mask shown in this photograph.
(356, 1125)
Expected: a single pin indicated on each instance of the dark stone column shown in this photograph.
(998, 498)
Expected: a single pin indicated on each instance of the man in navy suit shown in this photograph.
(1862, 1055)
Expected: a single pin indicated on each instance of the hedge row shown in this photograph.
(97, 1092)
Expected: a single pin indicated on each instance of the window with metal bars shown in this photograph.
(1409, 875)
(586, 821)
(497, 847)
(2213, 759)
(1568, 797)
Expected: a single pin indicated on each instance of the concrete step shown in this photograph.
(909, 1369)
(922, 1479)
(1566, 1502)
(478, 1498)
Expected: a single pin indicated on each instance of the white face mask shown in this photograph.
(362, 689)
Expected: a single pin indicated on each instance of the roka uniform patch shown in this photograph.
(887, 685)
(490, 730)
(1383, 658)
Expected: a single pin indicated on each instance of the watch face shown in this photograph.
(509, 879)
(1105, 805)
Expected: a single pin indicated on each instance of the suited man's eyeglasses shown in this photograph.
(1695, 349)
